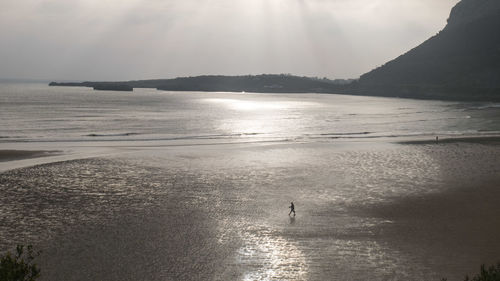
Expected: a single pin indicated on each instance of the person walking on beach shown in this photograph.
(292, 209)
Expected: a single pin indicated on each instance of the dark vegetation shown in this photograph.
(112, 87)
(491, 273)
(265, 83)
(19, 266)
(258, 83)
(462, 62)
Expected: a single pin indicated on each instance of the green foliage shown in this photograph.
(19, 266)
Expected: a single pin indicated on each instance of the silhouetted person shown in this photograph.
(437, 139)
(292, 209)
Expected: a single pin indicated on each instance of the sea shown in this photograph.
(38, 113)
(159, 185)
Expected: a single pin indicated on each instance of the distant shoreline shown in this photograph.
(264, 83)
(285, 83)
(490, 139)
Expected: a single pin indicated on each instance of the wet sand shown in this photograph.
(368, 212)
(456, 231)
(458, 227)
(12, 155)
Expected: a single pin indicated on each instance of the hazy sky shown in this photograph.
(135, 39)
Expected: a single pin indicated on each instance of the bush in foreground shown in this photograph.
(491, 273)
(19, 266)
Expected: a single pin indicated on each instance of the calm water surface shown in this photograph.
(34, 112)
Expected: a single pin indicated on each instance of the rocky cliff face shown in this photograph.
(461, 62)
(467, 11)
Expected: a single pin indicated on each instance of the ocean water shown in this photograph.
(35, 112)
(196, 186)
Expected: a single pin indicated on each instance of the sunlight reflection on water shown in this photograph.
(271, 258)
(262, 119)
(252, 105)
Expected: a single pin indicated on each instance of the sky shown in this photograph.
(142, 39)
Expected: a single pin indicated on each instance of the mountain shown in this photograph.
(462, 62)
(468, 11)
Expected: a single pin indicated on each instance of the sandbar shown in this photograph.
(12, 155)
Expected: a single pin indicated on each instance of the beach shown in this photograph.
(373, 211)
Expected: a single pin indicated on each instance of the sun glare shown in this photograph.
(245, 105)
(254, 105)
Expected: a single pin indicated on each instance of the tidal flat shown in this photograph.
(366, 210)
